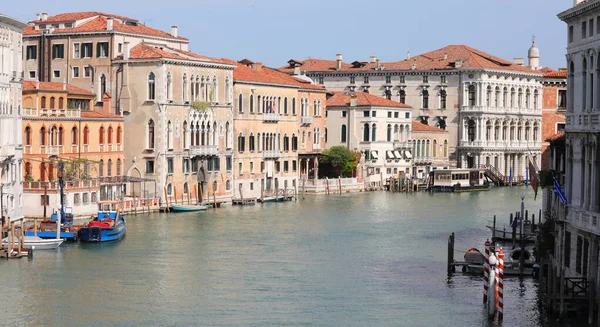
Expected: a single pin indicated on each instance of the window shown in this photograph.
(374, 133)
(86, 50)
(151, 86)
(118, 167)
(591, 28)
(241, 143)
(443, 79)
(366, 79)
(31, 52)
(87, 71)
(402, 79)
(344, 113)
(366, 113)
(170, 166)
(74, 136)
(321, 80)
(583, 30)
(76, 50)
(240, 103)
(119, 135)
(262, 166)
(228, 163)
(251, 143)
(251, 167)
(75, 72)
(150, 139)
(389, 133)
(407, 115)
(388, 79)
(56, 74)
(396, 114)
(389, 114)
(101, 168)
(240, 166)
(109, 168)
(286, 166)
(472, 96)
(402, 96)
(373, 113)
(46, 198)
(102, 49)
(570, 38)
(562, 97)
(27, 135)
(425, 95)
(32, 74)
(560, 127)
(294, 106)
(149, 166)
(352, 80)
(443, 102)
(58, 51)
(366, 132)
(425, 79)
(578, 253)
(285, 106)
(343, 134)
(567, 248)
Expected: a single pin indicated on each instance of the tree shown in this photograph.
(337, 161)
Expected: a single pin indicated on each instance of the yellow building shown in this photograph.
(58, 125)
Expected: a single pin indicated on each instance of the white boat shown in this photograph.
(39, 243)
(190, 207)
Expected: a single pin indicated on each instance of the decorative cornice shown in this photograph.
(578, 10)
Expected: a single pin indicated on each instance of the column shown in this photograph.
(316, 165)
(596, 177)
(306, 169)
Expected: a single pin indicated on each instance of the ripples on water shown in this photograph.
(374, 259)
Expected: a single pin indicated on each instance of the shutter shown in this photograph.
(98, 50)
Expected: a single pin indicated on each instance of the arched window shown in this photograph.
(74, 135)
(251, 142)
(101, 168)
(61, 103)
(52, 102)
(252, 103)
(471, 130)
(43, 136)
(150, 138)
(535, 99)
(294, 106)
(488, 96)
(86, 136)
(434, 149)
(366, 133)
(43, 171)
(504, 97)
(472, 95)
(102, 86)
(43, 103)
(214, 97)
(497, 97)
(344, 133)
(512, 97)
(520, 98)
(285, 106)
(536, 131)
(109, 168)
(169, 86)
(227, 136)
(584, 85)
(101, 135)
(227, 90)
(373, 133)
(445, 148)
(443, 101)
(151, 86)
(240, 103)
(425, 95)
(185, 87)
(527, 98)
(169, 189)
(241, 143)
(118, 167)
(389, 133)
(402, 96)
(185, 135)
(27, 135)
(169, 135)
(60, 136)
(110, 135)
(27, 170)
(119, 134)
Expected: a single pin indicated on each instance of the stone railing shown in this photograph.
(271, 117)
(271, 154)
(203, 150)
(46, 112)
(585, 220)
(306, 120)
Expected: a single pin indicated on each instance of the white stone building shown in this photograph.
(11, 145)
(578, 234)
(457, 88)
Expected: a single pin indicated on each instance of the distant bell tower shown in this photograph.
(534, 55)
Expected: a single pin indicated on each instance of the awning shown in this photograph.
(389, 154)
(374, 154)
(397, 155)
(407, 155)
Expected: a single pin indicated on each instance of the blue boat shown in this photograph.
(108, 226)
(186, 208)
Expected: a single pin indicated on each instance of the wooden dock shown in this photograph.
(243, 202)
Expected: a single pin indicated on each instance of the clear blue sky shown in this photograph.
(273, 31)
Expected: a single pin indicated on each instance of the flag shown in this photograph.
(558, 190)
(533, 179)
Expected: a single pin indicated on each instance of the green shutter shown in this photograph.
(98, 50)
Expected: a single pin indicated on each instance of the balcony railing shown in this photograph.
(271, 154)
(203, 150)
(306, 120)
(45, 112)
(502, 144)
(423, 160)
(585, 220)
(53, 150)
(317, 146)
(401, 145)
(270, 117)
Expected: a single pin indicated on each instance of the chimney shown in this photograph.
(576, 2)
(297, 70)
(257, 65)
(414, 66)
(446, 56)
(458, 64)
(64, 85)
(377, 64)
(44, 16)
(338, 62)
(109, 24)
(373, 59)
(408, 55)
(519, 61)
(37, 16)
(126, 50)
(37, 84)
(174, 31)
(353, 101)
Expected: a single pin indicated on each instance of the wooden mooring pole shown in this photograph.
(451, 268)
(494, 228)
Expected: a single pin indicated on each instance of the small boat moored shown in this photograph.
(458, 180)
(188, 208)
(280, 198)
(37, 242)
(108, 226)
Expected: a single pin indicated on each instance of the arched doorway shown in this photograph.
(202, 185)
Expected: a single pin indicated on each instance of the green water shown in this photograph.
(369, 259)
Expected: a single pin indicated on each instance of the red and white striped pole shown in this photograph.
(486, 270)
(500, 283)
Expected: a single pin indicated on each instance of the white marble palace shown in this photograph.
(11, 147)
(491, 107)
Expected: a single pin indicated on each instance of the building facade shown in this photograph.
(60, 124)
(579, 231)
(79, 49)
(553, 110)
(457, 88)
(430, 149)
(378, 128)
(312, 126)
(11, 146)
(179, 123)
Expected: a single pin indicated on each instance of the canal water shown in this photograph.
(368, 259)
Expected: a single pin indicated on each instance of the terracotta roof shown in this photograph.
(556, 137)
(99, 24)
(419, 127)
(73, 16)
(440, 59)
(98, 114)
(342, 99)
(313, 65)
(145, 51)
(556, 74)
(247, 73)
(30, 86)
(308, 85)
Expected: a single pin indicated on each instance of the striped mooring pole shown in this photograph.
(500, 283)
(486, 270)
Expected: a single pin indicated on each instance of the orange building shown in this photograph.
(58, 125)
(553, 109)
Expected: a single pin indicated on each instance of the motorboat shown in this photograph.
(107, 226)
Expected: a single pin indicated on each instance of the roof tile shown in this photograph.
(30, 86)
(342, 99)
(419, 127)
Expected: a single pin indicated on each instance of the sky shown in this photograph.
(274, 31)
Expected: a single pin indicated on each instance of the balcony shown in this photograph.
(306, 120)
(317, 147)
(398, 145)
(53, 150)
(584, 220)
(423, 160)
(271, 154)
(203, 150)
(7, 151)
(44, 112)
(270, 117)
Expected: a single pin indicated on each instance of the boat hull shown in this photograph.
(272, 199)
(188, 208)
(96, 234)
(70, 236)
(39, 243)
